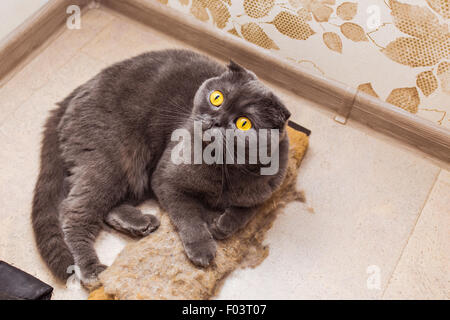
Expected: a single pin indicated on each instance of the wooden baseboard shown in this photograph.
(342, 99)
(388, 119)
(29, 36)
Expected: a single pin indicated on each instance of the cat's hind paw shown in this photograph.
(147, 224)
(90, 279)
(132, 221)
(219, 230)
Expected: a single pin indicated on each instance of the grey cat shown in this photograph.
(108, 146)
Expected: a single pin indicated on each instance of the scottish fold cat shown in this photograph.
(109, 145)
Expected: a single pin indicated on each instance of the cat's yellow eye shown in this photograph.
(216, 98)
(243, 123)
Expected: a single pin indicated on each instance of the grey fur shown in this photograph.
(108, 143)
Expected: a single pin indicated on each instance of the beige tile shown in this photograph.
(79, 69)
(423, 271)
(366, 196)
(11, 96)
(42, 68)
(122, 40)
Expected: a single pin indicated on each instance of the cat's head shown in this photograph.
(238, 100)
(236, 109)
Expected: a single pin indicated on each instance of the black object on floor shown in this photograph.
(16, 284)
(298, 127)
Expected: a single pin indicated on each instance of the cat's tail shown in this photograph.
(48, 194)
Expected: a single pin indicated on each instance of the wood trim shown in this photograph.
(344, 100)
(386, 118)
(29, 36)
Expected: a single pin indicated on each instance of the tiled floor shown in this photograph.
(375, 225)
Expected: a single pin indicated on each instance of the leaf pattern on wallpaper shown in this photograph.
(415, 52)
(430, 41)
(292, 26)
(319, 8)
(311, 4)
(353, 32)
(258, 8)
(347, 10)
(442, 7)
(199, 11)
(427, 82)
(219, 11)
(234, 32)
(367, 88)
(405, 98)
(295, 3)
(304, 14)
(418, 21)
(322, 13)
(253, 33)
(443, 72)
(332, 41)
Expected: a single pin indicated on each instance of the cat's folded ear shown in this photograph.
(286, 114)
(234, 67)
(282, 113)
(241, 71)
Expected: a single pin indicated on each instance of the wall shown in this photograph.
(396, 50)
(14, 12)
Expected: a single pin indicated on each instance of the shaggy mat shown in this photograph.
(157, 268)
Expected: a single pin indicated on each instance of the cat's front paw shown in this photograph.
(201, 253)
(220, 229)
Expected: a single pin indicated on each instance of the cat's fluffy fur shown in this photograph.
(108, 146)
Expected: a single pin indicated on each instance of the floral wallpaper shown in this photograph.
(396, 50)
